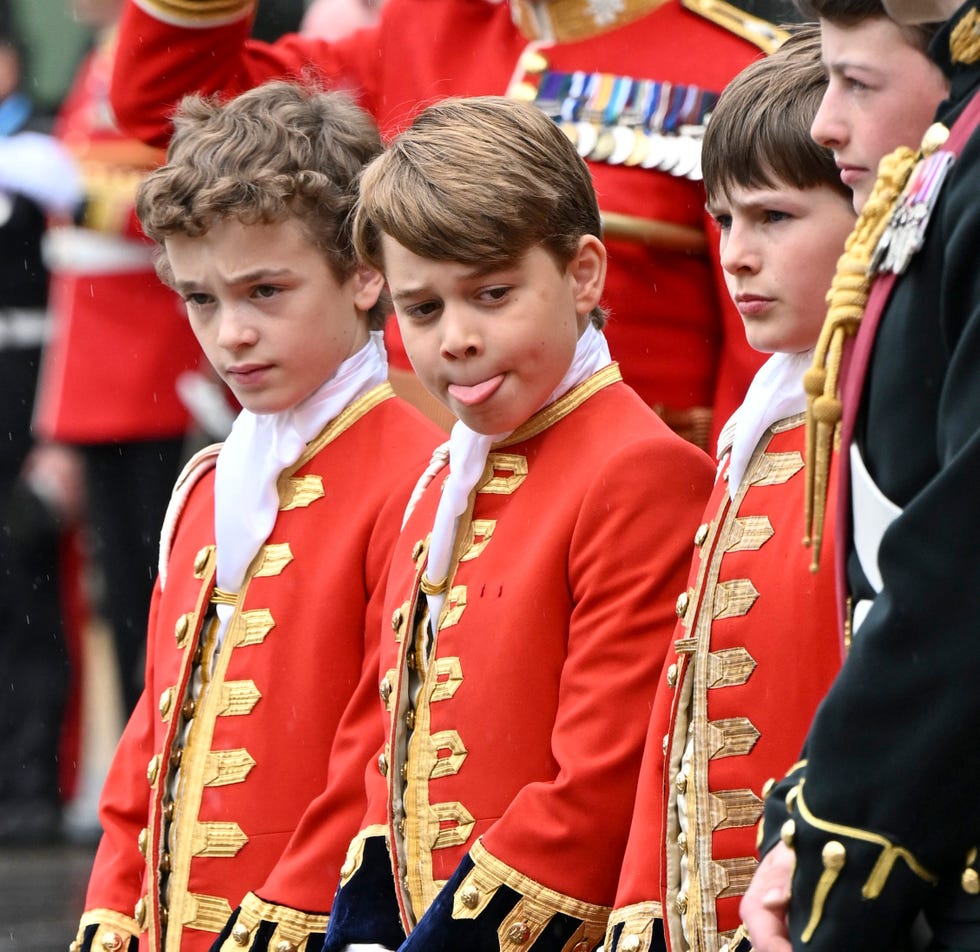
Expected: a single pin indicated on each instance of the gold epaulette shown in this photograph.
(964, 41)
(846, 301)
(198, 12)
(761, 24)
(565, 21)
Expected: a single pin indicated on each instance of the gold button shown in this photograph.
(396, 619)
(197, 656)
(164, 916)
(139, 912)
(672, 676)
(682, 841)
(404, 771)
(410, 720)
(166, 702)
(519, 933)
(583, 946)
(935, 136)
(182, 629)
(417, 550)
(176, 757)
(833, 855)
(240, 934)
(401, 827)
(970, 881)
(112, 942)
(701, 534)
(201, 561)
(767, 787)
(168, 810)
(666, 741)
(283, 946)
(165, 863)
(787, 833)
(143, 840)
(187, 709)
(682, 782)
(410, 660)
(683, 600)
(680, 904)
(153, 769)
(384, 689)
(383, 764)
(630, 943)
(470, 896)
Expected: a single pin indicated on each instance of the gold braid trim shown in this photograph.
(846, 301)
(964, 41)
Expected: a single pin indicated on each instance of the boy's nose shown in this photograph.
(738, 254)
(235, 330)
(460, 335)
(827, 129)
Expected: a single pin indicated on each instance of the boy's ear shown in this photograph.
(367, 287)
(588, 272)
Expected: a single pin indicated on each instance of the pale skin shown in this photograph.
(492, 344)
(882, 93)
(273, 319)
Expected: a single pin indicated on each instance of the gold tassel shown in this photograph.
(846, 302)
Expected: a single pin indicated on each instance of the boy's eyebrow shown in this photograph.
(246, 277)
(477, 271)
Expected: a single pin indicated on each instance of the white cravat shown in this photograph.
(468, 456)
(260, 447)
(776, 392)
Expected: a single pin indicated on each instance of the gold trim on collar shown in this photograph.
(759, 32)
(341, 422)
(560, 409)
(565, 21)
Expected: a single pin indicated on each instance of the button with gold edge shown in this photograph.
(384, 689)
(469, 896)
(283, 946)
(139, 912)
(197, 656)
(533, 62)
(682, 840)
(401, 827)
(701, 535)
(181, 629)
(176, 757)
(680, 904)
(410, 720)
(417, 550)
(519, 933)
(143, 840)
(112, 942)
(187, 709)
(672, 676)
(683, 600)
(410, 660)
(168, 810)
(153, 769)
(404, 771)
(240, 934)
(165, 863)
(787, 833)
(682, 782)
(397, 617)
(201, 560)
(970, 881)
(383, 764)
(166, 702)
(630, 943)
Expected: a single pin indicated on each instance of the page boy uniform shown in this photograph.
(754, 622)
(499, 804)
(261, 676)
(632, 83)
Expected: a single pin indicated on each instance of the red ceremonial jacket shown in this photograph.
(754, 651)
(120, 338)
(289, 702)
(512, 746)
(673, 330)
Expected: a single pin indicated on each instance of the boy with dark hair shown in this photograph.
(755, 648)
(532, 590)
(262, 651)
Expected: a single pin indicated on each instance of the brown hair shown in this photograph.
(478, 181)
(852, 12)
(276, 152)
(759, 132)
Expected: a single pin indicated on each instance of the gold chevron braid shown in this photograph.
(846, 301)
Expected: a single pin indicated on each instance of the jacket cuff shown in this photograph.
(775, 812)
(106, 930)
(259, 926)
(852, 887)
(636, 928)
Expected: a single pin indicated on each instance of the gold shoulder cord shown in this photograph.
(846, 301)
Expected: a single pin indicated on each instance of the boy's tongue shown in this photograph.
(476, 393)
